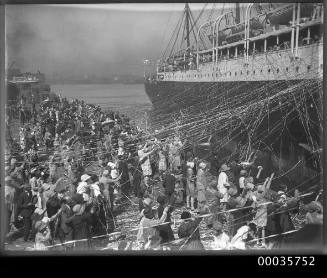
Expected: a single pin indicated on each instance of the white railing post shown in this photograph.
(293, 27)
(297, 29)
(247, 29)
(216, 26)
(197, 42)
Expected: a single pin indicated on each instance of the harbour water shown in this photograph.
(128, 99)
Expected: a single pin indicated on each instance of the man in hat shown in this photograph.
(148, 222)
(144, 159)
(165, 231)
(124, 180)
(169, 186)
(223, 184)
(65, 232)
(279, 220)
(260, 218)
(53, 205)
(47, 187)
(26, 208)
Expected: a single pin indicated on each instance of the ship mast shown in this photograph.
(237, 13)
(187, 19)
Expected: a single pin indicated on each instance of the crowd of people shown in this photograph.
(52, 195)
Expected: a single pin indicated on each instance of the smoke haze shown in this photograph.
(68, 40)
(74, 41)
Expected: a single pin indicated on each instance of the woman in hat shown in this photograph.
(201, 183)
(314, 213)
(42, 237)
(221, 185)
(260, 218)
(84, 186)
(174, 153)
(221, 239)
(244, 234)
(189, 230)
(243, 174)
(107, 183)
(81, 222)
(162, 161)
(190, 181)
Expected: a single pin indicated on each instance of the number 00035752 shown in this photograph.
(286, 261)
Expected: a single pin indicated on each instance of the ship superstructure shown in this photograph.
(280, 43)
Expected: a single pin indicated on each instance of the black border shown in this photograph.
(140, 262)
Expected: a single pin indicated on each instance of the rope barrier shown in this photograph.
(165, 223)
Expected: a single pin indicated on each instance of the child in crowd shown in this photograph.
(221, 239)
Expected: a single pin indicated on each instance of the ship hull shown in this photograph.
(172, 97)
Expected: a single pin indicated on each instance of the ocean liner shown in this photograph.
(282, 43)
(250, 80)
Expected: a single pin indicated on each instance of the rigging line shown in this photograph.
(172, 49)
(212, 10)
(182, 40)
(170, 16)
(173, 35)
(195, 22)
(193, 29)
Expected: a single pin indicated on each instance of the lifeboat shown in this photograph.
(283, 15)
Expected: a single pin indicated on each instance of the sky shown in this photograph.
(102, 39)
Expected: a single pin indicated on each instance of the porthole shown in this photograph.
(261, 71)
(277, 70)
(268, 70)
